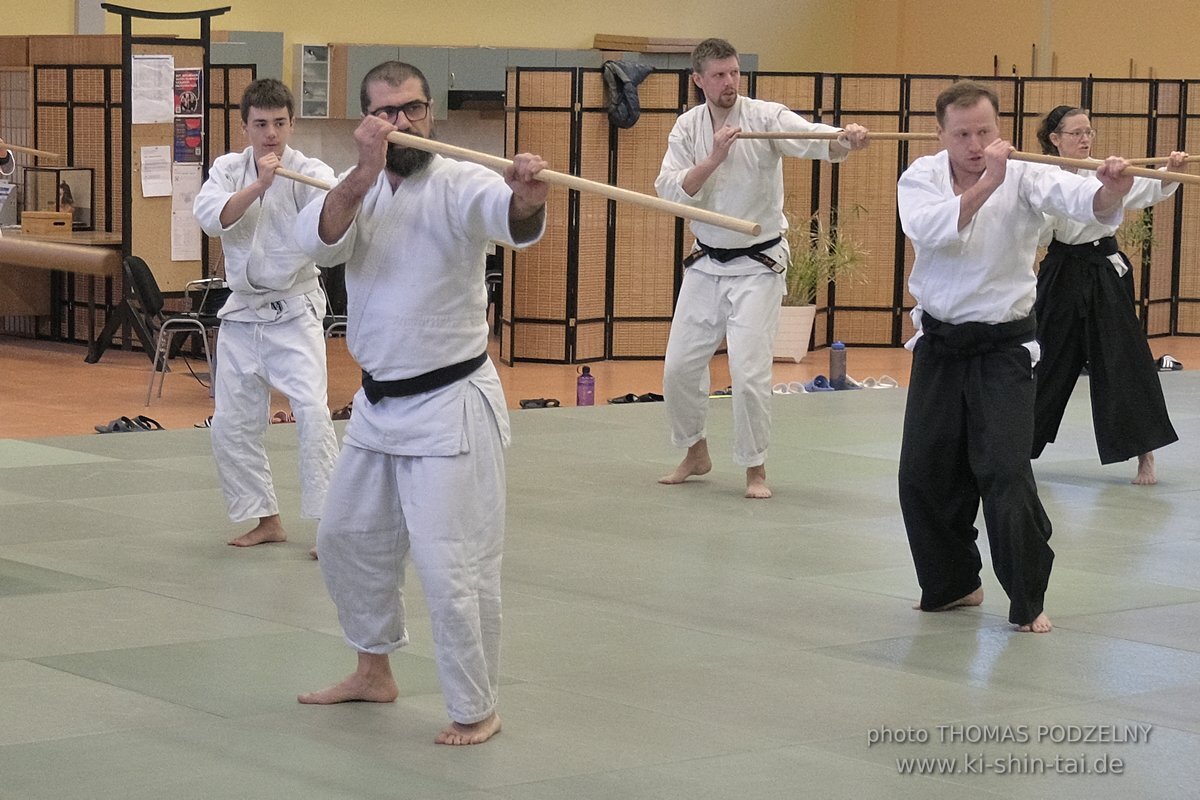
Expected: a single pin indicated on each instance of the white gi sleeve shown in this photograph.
(309, 240)
(222, 184)
(678, 160)
(1063, 194)
(782, 118)
(928, 213)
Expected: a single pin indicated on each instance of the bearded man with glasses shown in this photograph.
(422, 469)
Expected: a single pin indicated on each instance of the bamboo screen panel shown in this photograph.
(541, 279)
(867, 211)
(16, 126)
(592, 253)
(1188, 313)
(640, 339)
(645, 250)
(544, 89)
(592, 95)
(797, 92)
(589, 340)
(1040, 97)
(534, 341)
(536, 314)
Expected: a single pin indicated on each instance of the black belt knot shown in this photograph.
(725, 254)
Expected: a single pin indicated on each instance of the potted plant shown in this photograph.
(818, 258)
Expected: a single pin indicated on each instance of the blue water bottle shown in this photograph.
(585, 388)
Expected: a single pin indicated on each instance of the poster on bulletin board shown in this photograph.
(189, 140)
(187, 92)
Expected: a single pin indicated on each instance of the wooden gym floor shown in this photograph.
(48, 390)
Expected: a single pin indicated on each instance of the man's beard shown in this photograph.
(407, 161)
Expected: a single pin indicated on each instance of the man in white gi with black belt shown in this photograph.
(974, 218)
(421, 471)
(271, 332)
(733, 284)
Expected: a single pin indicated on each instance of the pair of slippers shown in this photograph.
(344, 412)
(1169, 364)
(280, 417)
(540, 402)
(648, 397)
(128, 425)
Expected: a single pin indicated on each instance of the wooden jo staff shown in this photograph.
(877, 136)
(16, 148)
(1088, 163)
(300, 178)
(582, 184)
(23, 252)
(559, 178)
(1150, 160)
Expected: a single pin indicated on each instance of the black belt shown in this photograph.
(1104, 247)
(967, 339)
(724, 254)
(419, 384)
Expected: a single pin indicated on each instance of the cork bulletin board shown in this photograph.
(150, 235)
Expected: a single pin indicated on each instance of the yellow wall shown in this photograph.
(1073, 37)
(789, 35)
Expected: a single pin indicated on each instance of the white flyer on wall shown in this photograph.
(155, 164)
(153, 79)
(185, 231)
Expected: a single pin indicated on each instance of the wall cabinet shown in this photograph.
(311, 76)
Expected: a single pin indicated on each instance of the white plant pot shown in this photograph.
(795, 330)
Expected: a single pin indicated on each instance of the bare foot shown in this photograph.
(312, 553)
(269, 529)
(1041, 624)
(1145, 474)
(475, 733)
(975, 598)
(696, 462)
(372, 682)
(756, 483)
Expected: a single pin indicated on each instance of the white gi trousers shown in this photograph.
(743, 310)
(447, 512)
(253, 357)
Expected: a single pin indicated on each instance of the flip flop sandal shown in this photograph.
(540, 402)
(204, 423)
(1169, 364)
(343, 412)
(818, 384)
(119, 425)
(726, 392)
(146, 423)
(625, 398)
(650, 397)
(280, 417)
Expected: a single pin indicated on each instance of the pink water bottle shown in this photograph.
(585, 388)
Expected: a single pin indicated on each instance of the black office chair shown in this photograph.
(493, 277)
(147, 299)
(333, 281)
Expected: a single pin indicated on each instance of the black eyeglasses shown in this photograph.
(415, 111)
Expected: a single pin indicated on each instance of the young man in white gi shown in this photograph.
(421, 471)
(271, 334)
(974, 219)
(733, 284)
